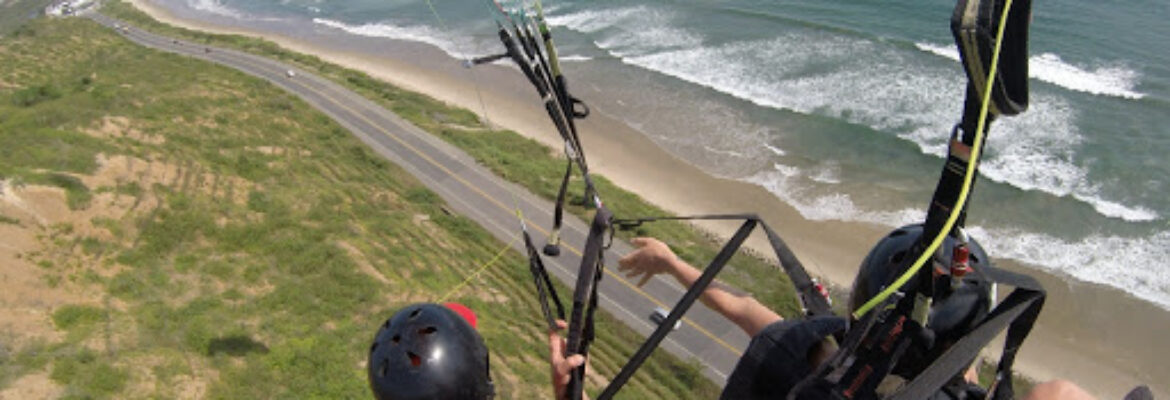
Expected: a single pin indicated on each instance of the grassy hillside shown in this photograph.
(205, 234)
(511, 156)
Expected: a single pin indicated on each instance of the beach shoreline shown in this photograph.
(829, 249)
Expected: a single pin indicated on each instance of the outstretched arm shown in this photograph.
(652, 257)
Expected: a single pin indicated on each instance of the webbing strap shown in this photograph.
(585, 298)
(857, 368)
(811, 298)
(680, 308)
(1020, 309)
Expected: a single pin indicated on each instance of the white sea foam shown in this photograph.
(1118, 210)
(829, 173)
(214, 7)
(787, 183)
(590, 21)
(727, 153)
(415, 33)
(850, 80)
(630, 31)
(775, 150)
(1115, 81)
(1037, 150)
(939, 50)
(574, 58)
(1109, 80)
(1133, 265)
(866, 83)
(1129, 264)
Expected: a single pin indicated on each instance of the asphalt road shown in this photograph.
(475, 192)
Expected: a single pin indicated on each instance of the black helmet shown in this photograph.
(427, 351)
(954, 312)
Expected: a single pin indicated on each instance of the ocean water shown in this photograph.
(842, 109)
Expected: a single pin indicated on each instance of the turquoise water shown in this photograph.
(842, 108)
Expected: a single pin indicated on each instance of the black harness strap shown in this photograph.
(581, 331)
(676, 313)
(1020, 309)
(876, 343)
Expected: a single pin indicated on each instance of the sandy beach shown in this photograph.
(1067, 343)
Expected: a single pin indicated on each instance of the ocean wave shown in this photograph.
(1115, 261)
(1117, 210)
(415, 33)
(590, 21)
(939, 50)
(789, 183)
(775, 150)
(1037, 150)
(574, 58)
(864, 82)
(1129, 264)
(1116, 81)
(829, 173)
(214, 7)
(807, 74)
(726, 153)
(630, 31)
(1110, 81)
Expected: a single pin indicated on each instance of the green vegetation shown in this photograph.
(37, 94)
(87, 375)
(71, 316)
(512, 157)
(252, 246)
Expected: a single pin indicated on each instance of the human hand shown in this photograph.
(650, 257)
(561, 366)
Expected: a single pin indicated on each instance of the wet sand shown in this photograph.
(1099, 337)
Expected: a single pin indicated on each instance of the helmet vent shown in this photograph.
(382, 367)
(427, 331)
(415, 313)
(415, 360)
(395, 339)
(373, 347)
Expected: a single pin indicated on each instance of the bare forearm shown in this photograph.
(743, 310)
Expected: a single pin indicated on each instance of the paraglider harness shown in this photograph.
(992, 38)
